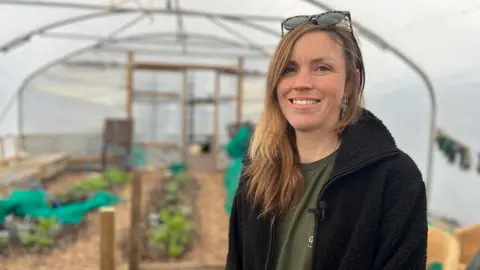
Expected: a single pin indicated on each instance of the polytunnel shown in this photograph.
(63, 70)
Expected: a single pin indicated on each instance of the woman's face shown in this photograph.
(312, 86)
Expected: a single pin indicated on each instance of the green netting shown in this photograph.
(33, 203)
(177, 168)
(435, 266)
(238, 146)
(232, 177)
(138, 157)
(236, 149)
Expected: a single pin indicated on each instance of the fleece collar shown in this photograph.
(363, 141)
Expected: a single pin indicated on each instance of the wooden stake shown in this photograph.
(135, 229)
(107, 238)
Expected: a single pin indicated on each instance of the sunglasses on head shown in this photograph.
(329, 18)
(326, 19)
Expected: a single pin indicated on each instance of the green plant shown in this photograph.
(116, 176)
(181, 178)
(4, 239)
(75, 192)
(170, 193)
(41, 235)
(173, 234)
(79, 187)
(96, 183)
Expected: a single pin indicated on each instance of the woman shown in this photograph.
(324, 184)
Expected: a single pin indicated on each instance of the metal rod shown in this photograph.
(210, 41)
(133, 10)
(238, 35)
(104, 13)
(18, 94)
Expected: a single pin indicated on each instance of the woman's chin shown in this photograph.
(305, 126)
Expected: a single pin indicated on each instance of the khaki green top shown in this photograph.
(293, 240)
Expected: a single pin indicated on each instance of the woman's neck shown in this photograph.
(313, 146)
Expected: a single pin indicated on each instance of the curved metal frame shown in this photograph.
(243, 19)
(25, 37)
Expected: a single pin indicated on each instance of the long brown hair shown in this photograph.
(275, 180)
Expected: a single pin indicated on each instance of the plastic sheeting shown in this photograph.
(440, 36)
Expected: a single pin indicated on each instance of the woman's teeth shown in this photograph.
(304, 102)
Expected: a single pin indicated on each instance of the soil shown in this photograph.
(212, 242)
(187, 196)
(210, 247)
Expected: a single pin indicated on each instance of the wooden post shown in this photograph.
(135, 229)
(240, 78)
(107, 238)
(129, 84)
(18, 148)
(216, 118)
(184, 135)
(2, 147)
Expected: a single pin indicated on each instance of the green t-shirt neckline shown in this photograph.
(294, 232)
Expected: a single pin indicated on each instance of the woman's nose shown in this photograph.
(303, 80)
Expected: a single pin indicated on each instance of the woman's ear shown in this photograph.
(355, 82)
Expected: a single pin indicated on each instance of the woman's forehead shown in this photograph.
(316, 45)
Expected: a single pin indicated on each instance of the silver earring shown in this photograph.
(343, 109)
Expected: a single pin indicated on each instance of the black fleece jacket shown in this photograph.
(371, 215)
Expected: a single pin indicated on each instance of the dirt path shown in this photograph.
(213, 222)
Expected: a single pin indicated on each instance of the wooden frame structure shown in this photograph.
(18, 139)
(187, 103)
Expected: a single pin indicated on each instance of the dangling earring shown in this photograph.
(343, 109)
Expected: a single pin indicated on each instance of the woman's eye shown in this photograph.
(288, 69)
(322, 68)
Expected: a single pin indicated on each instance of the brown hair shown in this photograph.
(275, 180)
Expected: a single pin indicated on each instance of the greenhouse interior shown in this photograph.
(124, 123)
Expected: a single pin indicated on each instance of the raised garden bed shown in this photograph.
(25, 230)
(111, 180)
(169, 224)
(19, 237)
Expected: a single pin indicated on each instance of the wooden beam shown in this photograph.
(18, 146)
(240, 80)
(2, 147)
(182, 67)
(211, 100)
(129, 83)
(163, 145)
(93, 159)
(156, 95)
(216, 119)
(184, 132)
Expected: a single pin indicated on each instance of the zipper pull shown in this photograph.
(320, 211)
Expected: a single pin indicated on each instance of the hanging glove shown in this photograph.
(478, 165)
(465, 157)
(449, 148)
(440, 139)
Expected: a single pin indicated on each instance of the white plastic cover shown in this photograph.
(441, 36)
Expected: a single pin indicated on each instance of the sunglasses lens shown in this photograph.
(291, 23)
(330, 18)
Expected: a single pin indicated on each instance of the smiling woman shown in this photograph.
(324, 185)
(313, 84)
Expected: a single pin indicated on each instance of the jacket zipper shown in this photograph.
(320, 211)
